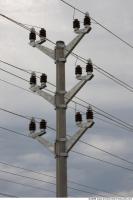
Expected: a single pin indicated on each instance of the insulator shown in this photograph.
(76, 24)
(89, 66)
(89, 114)
(42, 33)
(43, 124)
(78, 117)
(32, 35)
(32, 125)
(33, 79)
(87, 20)
(43, 78)
(78, 70)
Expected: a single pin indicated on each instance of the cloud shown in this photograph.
(107, 52)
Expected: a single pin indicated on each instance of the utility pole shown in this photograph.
(60, 100)
(60, 144)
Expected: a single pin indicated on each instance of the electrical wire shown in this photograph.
(95, 147)
(43, 181)
(111, 154)
(107, 162)
(98, 160)
(21, 69)
(13, 74)
(104, 161)
(22, 116)
(98, 23)
(6, 195)
(50, 176)
(114, 117)
(129, 126)
(99, 69)
(26, 185)
(105, 73)
(101, 149)
(72, 100)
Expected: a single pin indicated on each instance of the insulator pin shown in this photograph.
(89, 114)
(42, 34)
(87, 20)
(76, 24)
(78, 118)
(33, 79)
(89, 67)
(32, 35)
(78, 71)
(43, 80)
(32, 125)
(43, 126)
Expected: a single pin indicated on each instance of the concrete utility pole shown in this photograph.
(60, 145)
(60, 101)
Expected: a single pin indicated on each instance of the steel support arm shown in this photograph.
(46, 143)
(69, 48)
(75, 138)
(48, 97)
(70, 94)
(49, 52)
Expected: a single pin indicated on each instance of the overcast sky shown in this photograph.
(105, 51)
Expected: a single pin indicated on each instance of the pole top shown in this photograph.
(60, 44)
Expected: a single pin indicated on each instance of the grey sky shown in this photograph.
(105, 51)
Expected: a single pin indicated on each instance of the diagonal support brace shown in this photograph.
(75, 138)
(44, 142)
(70, 94)
(49, 52)
(76, 40)
(48, 97)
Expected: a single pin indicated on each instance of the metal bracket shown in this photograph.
(45, 50)
(45, 95)
(62, 155)
(85, 77)
(61, 60)
(75, 138)
(70, 94)
(34, 134)
(44, 142)
(81, 33)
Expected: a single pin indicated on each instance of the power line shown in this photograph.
(50, 176)
(104, 27)
(91, 146)
(43, 181)
(22, 116)
(98, 149)
(82, 106)
(110, 163)
(104, 112)
(14, 75)
(107, 162)
(6, 195)
(99, 69)
(111, 154)
(21, 69)
(79, 104)
(91, 193)
(26, 185)
(105, 73)
(104, 161)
